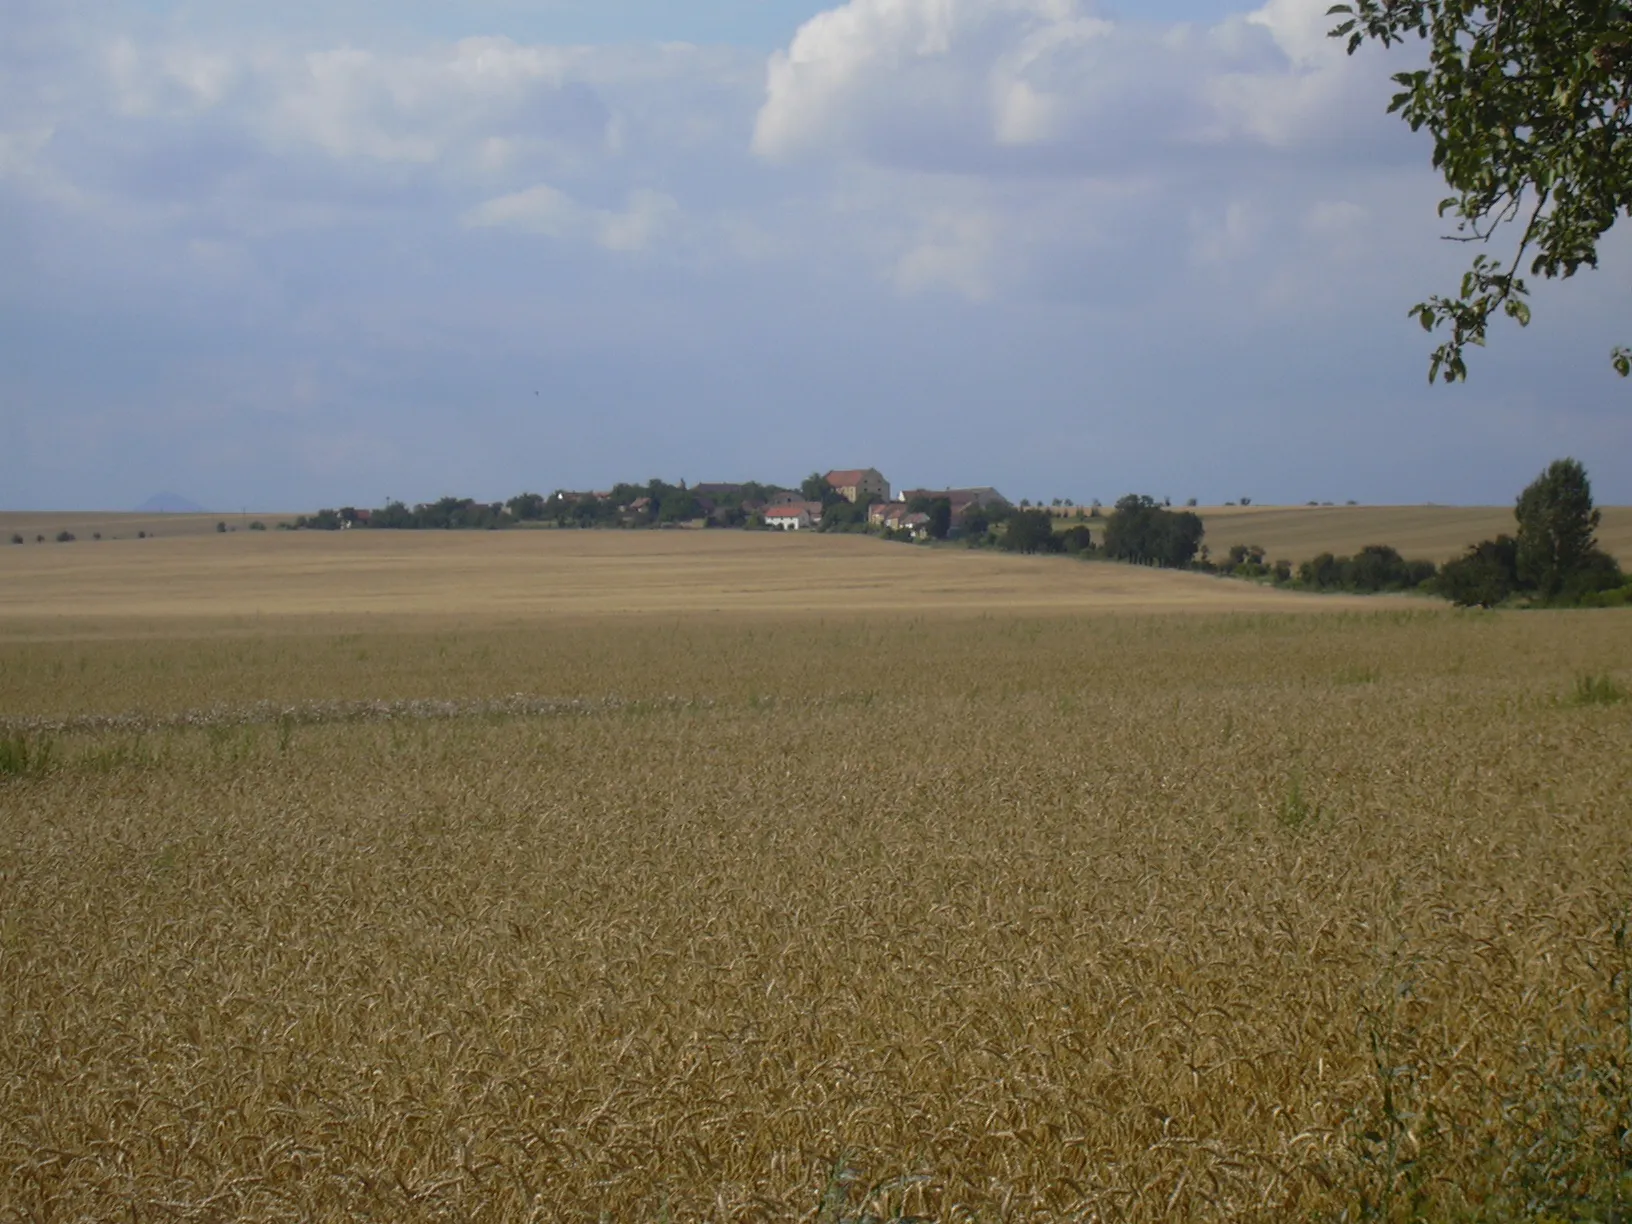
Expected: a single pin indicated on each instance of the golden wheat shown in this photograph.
(1001, 918)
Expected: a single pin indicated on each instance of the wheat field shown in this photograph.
(1436, 533)
(561, 911)
(592, 573)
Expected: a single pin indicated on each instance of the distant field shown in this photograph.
(536, 573)
(1295, 533)
(1439, 533)
(85, 524)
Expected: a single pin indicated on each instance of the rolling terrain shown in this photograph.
(536, 573)
(1437, 533)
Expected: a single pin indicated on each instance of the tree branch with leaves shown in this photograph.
(1528, 103)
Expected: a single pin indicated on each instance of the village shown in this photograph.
(841, 498)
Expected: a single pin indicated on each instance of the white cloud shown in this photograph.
(538, 210)
(953, 251)
(950, 83)
(543, 209)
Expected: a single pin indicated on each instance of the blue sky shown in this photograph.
(313, 255)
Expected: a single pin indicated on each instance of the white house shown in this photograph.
(789, 518)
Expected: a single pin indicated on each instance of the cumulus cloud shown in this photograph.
(962, 84)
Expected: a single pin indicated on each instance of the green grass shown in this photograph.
(21, 757)
(1597, 689)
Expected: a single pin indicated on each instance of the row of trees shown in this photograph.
(627, 504)
(1375, 568)
(1138, 530)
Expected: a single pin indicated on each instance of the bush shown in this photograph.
(141, 535)
(257, 525)
(1596, 573)
(16, 537)
(65, 537)
(1620, 597)
(1077, 540)
(1484, 576)
(221, 528)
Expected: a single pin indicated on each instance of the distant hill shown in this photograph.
(169, 503)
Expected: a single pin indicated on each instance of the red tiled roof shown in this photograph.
(846, 478)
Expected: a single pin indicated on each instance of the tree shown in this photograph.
(1484, 576)
(940, 518)
(814, 488)
(1077, 540)
(1030, 531)
(1529, 103)
(1556, 525)
(526, 507)
(1145, 533)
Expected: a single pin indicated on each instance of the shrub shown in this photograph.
(221, 528)
(1595, 573)
(141, 535)
(65, 537)
(257, 525)
(16, 537)
(1620, 597)
(1077, 540)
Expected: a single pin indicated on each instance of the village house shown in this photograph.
(859, 485)
(794, 517)
(895, 516)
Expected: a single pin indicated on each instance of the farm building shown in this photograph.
(859, 485)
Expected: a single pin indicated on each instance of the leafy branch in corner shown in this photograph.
(1528, 103)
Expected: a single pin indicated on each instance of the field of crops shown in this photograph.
(1435, 533)
(1028, 914)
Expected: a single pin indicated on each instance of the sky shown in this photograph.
(327, 253)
